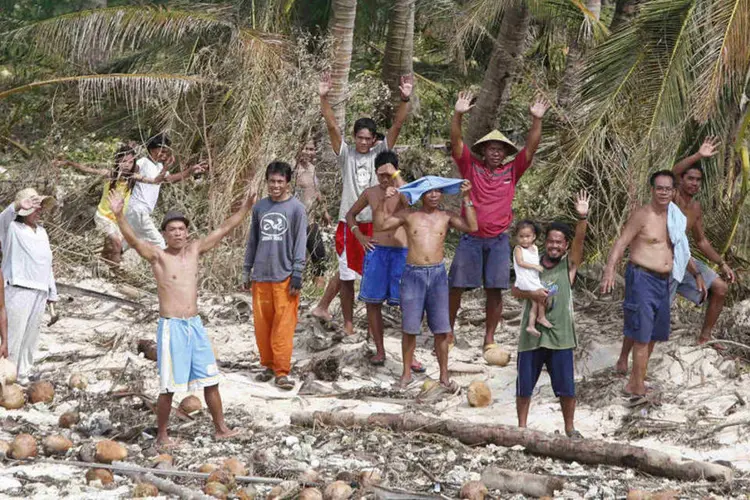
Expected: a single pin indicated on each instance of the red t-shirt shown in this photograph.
(492, 191)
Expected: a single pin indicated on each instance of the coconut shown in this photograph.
(337, 490)
(247, 493)
(281, 489)
(4, 449)
(144, 490)
(216, 490)
(309, 476)
(163, 462)
(13, 397)
(68, 419)
(429, 384)
(497, 356)
(190, 405)
(57, 444)
(102, 475)
(207, 468)
(310, 494)
(78, 381)
(148, 348)
(7, 372)
(222, 476)
(479, 394)
(108, 451)
(235, 467)
(41, 392)
(369, 478)
(23, 446)
(473, 490)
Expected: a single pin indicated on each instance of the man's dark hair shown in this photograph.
(559, 226)
(279, 167)
(158, 141)
(384, 158)
(694, 167)
(366, 123)
(528, 223)
(661, 173)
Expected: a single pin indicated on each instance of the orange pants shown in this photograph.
(275, 315)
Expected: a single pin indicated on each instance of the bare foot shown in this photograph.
(544, 322)
(404, 382)
(621, 368)
(703, 340)
(533, 331)
(628, 390)
(167, 443)
(321, 314)
(227, 433)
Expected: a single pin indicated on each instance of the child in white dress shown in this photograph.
(526, 265)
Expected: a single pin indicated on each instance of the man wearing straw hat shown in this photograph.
(482, 258)
(27, 273)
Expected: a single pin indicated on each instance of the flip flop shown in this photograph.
(574, 434)
(284, 383)
(417, 367)
(376, 362)
(265, 375)
(452, 387)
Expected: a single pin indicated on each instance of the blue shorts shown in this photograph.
(381, 278)
(689, 288)
(184, 356)
(646, 306)
(559, 365)
(424, 289)
(481, 262)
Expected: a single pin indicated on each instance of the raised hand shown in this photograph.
(199, 168)
(709, 147)
(582, 204)
(465, 188)
(463, 104)
(35, 202)
(250, 199)
(406, 87)
(325, 84)
(539, 108)
(116, 203)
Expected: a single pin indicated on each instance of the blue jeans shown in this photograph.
(481, 262)
(424, 289)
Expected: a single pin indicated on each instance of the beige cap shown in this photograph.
(494, 136)
(24, 194)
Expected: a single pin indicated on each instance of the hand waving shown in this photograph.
(465, 189)
(116, 203)
(325, 84)
(709, 147)
(406, 87)
(539, 108)
(582, 203)
(35, 202)
(463, 104)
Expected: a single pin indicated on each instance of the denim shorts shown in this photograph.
(424, 289)
(689, 288)
(381, 278)
(559, 365)
(646, 306)
(481, 262)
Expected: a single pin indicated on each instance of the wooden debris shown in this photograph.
(533, 485)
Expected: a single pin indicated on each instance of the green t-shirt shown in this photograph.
(562, 335)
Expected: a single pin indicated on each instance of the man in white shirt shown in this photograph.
(144, 197)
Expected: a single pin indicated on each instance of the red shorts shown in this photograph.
(346, 241)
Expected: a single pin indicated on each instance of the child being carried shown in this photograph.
(527, 268)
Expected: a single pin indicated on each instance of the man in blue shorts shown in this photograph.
(424, 283)
(554, 347)
(185, 358)
(646, 306)
(386, 252)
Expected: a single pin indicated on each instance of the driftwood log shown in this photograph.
(589, 451)
(533, 485)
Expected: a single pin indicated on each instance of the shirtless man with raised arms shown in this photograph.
(185, 358)
(424, 283)
(646, 306)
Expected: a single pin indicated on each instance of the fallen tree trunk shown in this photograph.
(590, 451)
(533, 485)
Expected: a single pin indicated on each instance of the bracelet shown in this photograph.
(468, 203)
(355, 227)
(395, 174)
(406, 100)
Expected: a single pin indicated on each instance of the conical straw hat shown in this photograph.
(495, 135)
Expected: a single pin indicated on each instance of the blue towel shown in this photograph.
(676, 226)
(414, 190)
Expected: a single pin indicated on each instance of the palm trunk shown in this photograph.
(341, 28)
(503, 66)
(625, 11)
(579, 43)
(399, 48)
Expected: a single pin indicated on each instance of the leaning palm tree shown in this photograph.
(399, 46)
(341, 27)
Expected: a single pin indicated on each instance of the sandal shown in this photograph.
(284, 383)
(452, 386)
(417, 367)
(265, 375)
(377, 362)
(574, 434)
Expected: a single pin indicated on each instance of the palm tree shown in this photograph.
(341, 27)
(399, 47)
(625, 11)
(580, 40)
(501, 70)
